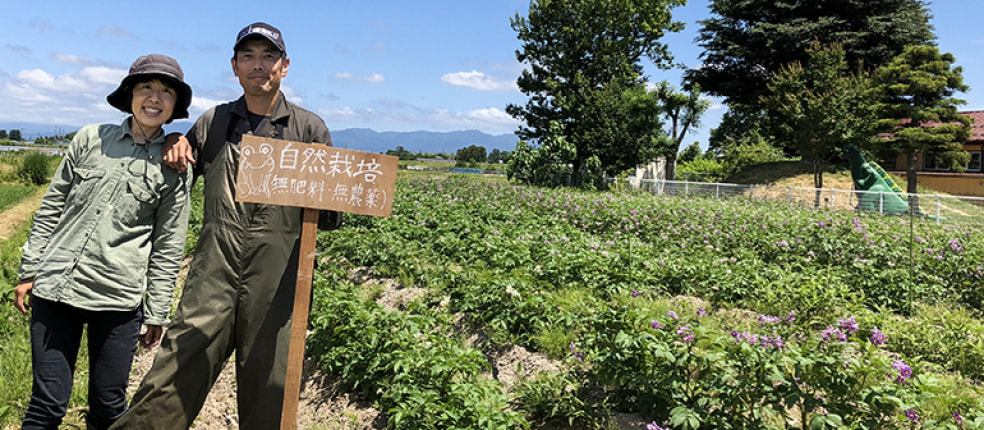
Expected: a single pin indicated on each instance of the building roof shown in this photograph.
(977, 128)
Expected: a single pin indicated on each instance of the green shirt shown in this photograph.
(112, 226)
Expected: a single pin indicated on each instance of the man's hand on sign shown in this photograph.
(177, 152)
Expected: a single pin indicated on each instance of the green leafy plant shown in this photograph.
(34, 167)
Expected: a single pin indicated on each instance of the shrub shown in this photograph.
(34, 167)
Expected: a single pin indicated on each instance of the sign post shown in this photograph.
(315, 177)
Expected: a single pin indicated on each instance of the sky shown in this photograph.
(386, 65)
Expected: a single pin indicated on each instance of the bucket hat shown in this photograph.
(264, 30)
(153, 66)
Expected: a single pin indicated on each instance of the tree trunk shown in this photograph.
(670, 168)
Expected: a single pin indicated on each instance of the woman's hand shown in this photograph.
(22, 295)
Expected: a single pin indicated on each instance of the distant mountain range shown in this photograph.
(365, 139)
(361, 139)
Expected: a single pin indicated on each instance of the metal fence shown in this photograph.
(941, 208)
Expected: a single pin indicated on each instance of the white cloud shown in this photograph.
(103, 75)
(490, 115)
(291, 95)
(35, 95)
(201, 104)
(42, 80)
(402, 116)
(17, 48)
(71, 59)
(372, 78)
(478, 81)
(17, 94)
(115, 30)
(378, 48)
(339, 114)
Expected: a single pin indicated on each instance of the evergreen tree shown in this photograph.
(920, 110)
(746, 42)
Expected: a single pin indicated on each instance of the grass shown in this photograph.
(15, 346)
(10, 194)
(10, 255)
(15, 354)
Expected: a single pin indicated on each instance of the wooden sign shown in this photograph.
(312, 176)
(317, 176)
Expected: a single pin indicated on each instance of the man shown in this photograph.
(238, 296)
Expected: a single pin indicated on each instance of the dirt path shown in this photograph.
(14, 216)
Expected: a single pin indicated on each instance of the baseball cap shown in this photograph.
(153, 66)
(264, 30)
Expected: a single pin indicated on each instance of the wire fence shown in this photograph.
(940, 208)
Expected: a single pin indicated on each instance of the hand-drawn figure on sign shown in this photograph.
(257, 165)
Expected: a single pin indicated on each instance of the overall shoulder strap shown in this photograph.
(219, 131)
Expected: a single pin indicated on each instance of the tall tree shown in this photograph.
(823, 106)
(15, 135)
(691, 153)
(471, 154)
(682, 110)
(746, 42)
(584, 52)
(920, 110)
(3, 134)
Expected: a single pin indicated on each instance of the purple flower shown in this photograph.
(686, 333)
(957, 418)
(672, 315)
(656, 325)
(847, 325)
(577, 354)
(654, 426)
(769, 342)
(905, 372)
(791, 317)
(912, 415)
(831, 333)
(635, 294)
(877, 337)
(857, 224)
(767, 319)
(701, 312)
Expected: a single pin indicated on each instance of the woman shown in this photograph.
(105, 248)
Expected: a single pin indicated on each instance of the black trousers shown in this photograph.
(56, 333)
